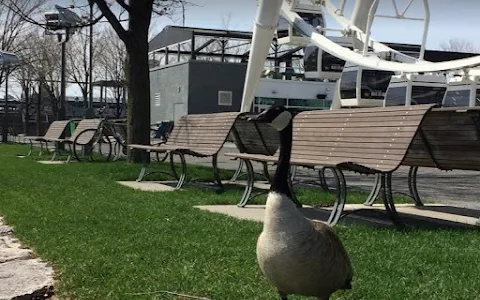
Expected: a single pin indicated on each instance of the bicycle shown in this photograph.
(106, 138)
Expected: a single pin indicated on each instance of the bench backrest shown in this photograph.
(85, 124)
(56, 129)
(255, 137)
(448, 139)
(369, 140)
(202, 133)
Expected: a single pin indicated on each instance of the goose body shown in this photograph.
(296, 255)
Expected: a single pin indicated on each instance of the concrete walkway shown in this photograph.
(431, 215)
(457, 188)
(22, 276)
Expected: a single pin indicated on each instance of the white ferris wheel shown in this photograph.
(411, 79)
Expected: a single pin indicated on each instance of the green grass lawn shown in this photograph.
(107, 241)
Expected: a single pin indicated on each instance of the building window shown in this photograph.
(225, 98)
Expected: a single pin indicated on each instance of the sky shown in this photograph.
(448, 20)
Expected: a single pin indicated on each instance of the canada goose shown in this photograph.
(298, 256)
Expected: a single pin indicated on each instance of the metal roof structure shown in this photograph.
(176, 44)
(172, 35)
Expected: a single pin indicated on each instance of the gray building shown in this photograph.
(197, 70)
(195, 87)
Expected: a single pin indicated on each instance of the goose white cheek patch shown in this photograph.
(281, 121)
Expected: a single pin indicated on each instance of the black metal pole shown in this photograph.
(90, 59)
(5, 110)
(63, 82)
(63, 85)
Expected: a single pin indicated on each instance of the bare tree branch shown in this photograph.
(112, 19)
(459, 45)
(123, 5)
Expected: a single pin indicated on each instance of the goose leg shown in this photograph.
(283, 296)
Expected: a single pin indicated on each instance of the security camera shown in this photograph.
(62, 18)
(8, 59)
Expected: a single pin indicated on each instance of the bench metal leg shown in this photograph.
(183, 175)
(340, 195)
(238, 171)
(40, 153)
(172, 166)
(144, 171)
(265, 173)
(47, 150)
(31, 148)
(70, 151)
(216, 171)
(323, 181)
(377, 186)
(56, 150)
(412, 186)
(179, 178)
(388, 198)
(294, 197)
(293, 173)
(249, 185)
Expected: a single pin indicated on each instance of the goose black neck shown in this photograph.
(280, 179)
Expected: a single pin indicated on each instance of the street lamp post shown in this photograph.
(64, 20)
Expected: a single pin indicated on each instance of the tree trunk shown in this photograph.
(38, 112)
(138, 118)
(85, 97)
(118, 96)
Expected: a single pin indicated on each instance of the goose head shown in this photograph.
(276, 116)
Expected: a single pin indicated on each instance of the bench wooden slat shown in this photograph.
(54, 131)
(325, 137)
(85, 124)
(201, 135)
(257, 138)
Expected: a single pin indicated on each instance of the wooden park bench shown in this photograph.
(254, 138)
(366, 140)
(84, 134)
(56, 130)
(448, 139)
(201, 135)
